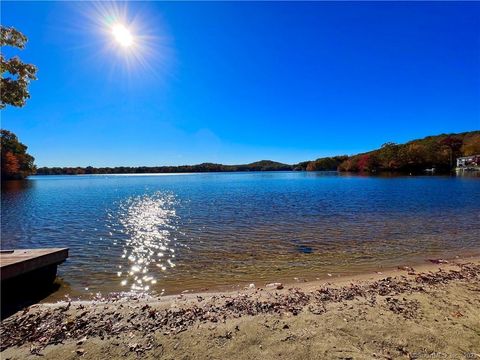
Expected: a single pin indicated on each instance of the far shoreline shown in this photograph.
(381, 174)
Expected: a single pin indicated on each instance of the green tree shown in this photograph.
(16, 75)
(16, 163)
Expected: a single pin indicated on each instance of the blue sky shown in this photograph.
(235, 82)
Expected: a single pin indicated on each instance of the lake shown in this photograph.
(165, 233)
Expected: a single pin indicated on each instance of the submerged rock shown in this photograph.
(304, 249)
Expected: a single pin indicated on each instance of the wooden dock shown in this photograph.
(17, 263)
(28, 276)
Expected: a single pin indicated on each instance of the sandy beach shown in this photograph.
(216, 180)
(430, 311)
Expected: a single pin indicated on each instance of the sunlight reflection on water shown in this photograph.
(147, 221)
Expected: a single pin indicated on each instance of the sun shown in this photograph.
(125, 40)
(122, 35)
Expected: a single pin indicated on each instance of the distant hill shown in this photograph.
(263, 165)
(437, 152)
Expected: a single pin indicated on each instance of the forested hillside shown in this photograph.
(437, 152)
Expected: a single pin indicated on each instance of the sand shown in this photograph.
(431, 312)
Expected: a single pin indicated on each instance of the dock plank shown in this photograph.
(18, 262)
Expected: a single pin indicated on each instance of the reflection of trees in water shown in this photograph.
(13, 186)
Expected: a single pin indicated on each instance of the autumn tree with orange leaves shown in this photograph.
(16, 162)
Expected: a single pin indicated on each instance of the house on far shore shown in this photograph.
(468, 162)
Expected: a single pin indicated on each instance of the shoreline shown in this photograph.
(419, 262)
(231, 290)
(422, 265)
(385, 173)
(402, 301)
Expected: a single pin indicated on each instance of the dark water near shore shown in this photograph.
(168, 233)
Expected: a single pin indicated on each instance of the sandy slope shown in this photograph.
(421, 314)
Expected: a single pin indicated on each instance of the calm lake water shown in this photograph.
(168, 233)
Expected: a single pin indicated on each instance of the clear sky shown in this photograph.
(235, 82)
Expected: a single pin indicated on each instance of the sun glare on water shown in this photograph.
(122, 35)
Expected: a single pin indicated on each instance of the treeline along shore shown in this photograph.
(438, 152)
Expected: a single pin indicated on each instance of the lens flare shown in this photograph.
(122, 35)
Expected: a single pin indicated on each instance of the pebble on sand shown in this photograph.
(276, 285)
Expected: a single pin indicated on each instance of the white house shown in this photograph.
(468, 161)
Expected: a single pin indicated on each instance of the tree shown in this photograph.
(10, 164)
(471, 145)
(16, 162)
(16, 75)
(454, 145)
(388, 155)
